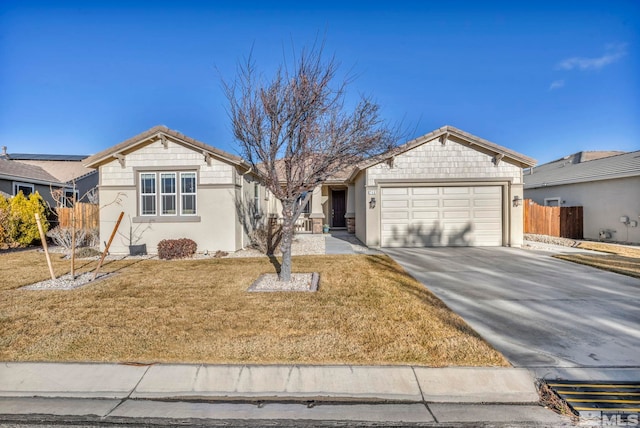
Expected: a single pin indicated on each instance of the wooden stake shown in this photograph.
(106, 249)
(73, 243)
(43, 239)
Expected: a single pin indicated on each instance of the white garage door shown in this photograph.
(441, 216)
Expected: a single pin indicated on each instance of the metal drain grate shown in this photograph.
(590, 396)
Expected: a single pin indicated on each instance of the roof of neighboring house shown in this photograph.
(158, 133)
(45, 157)
(18, 171)
(64, 171)
(566, 172)
(449, 132)
(65, 168)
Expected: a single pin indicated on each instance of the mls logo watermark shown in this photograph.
(606, 419)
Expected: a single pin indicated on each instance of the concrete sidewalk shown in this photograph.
(371, 394)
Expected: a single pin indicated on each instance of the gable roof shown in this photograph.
(158, 133)
(18, 171)
(557, 173)
(453, 133)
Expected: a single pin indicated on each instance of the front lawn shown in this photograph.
(621, 259)
(368, 311)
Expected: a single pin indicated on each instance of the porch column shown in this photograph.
(316, 216)
(350, 216)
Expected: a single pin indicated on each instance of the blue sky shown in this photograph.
(544, 78)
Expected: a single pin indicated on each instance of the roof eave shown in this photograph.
(31, 180)
(446, 131)
(160, 132)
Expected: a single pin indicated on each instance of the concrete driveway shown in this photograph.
(557, 318)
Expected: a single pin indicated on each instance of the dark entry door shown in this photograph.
(338, 206)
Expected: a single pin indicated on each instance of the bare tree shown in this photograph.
(296, 130)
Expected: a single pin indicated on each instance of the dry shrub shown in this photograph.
(266, 238)
(61, 236)
(87, 252)
(550, 399)
(169, 249)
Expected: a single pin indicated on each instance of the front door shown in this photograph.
(338, 208)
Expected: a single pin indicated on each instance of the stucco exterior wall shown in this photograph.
(360, 208)
(434, 163)
(215, 230)
(603, 202)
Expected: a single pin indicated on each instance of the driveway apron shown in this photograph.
(542, 313)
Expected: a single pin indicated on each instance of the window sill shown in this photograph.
(167, 219)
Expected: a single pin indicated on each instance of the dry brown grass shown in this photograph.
(621, 259)
(368, 311)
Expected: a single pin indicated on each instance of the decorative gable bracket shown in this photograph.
(164, 141)
(443, 138)
(207, 158)
(390, 161)
(498, 158)
(120, 158)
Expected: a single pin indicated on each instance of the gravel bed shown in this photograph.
(65, 282)
(545, 239)
(299, 282)
(302, 245)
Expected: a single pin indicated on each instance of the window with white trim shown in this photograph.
(168, 193)
(307, 206)
(25, 188)
(70, 197)
(552, 202)
(148, 193)
(256, 197)
(188, 193)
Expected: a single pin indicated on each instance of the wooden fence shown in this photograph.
(87, 216)
(563, 222)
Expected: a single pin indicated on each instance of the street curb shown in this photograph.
(302, 383)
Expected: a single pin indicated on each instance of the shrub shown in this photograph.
(266, 238)
(17, 219)
(4, 222)
(169, 249)
(87, 252)
(61, 236)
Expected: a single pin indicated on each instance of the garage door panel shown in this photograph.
(400, 203)
(425, 191)
(487, 190)
(425, 203)
(421, 215)
(395, 215)
(492, 214)
(455, 190)
(456, 203)
(480, 203)
(389, 191)
(441, 216)
(456, 214)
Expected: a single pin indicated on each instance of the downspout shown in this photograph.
(242, 199)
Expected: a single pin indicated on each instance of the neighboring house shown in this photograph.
(606, 186)
(43, 173)
(446, 188)
(16, 177)
(68, 169)
(171, 186)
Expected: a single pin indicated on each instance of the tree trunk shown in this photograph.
(287, 239)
